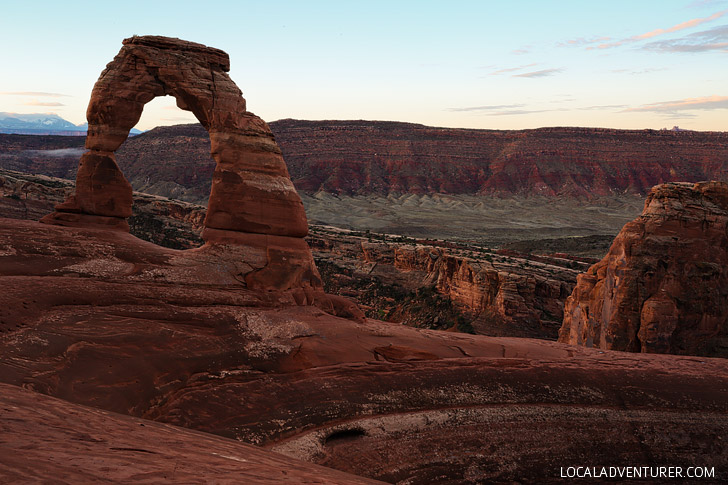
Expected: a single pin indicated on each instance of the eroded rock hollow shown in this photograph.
(663, 286)
(252, 203)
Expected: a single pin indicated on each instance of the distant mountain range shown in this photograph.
(42, 124)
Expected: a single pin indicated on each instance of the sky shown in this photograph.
(513, 64)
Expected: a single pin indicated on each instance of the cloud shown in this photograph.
(657, 32)
(518, 52)
(646, 70)
(512, 69)
(505, 110)
(487, 108)
(35, 102)
(688, 104)
(516, 112)
(706, 40)
(684, 25)
(582, 41)
(33, 93)
(603, 106)
(541, 73)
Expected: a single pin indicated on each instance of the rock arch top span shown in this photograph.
(251, 189)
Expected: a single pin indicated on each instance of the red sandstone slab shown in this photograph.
(48, 440)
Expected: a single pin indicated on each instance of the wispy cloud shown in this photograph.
(646, 70)
(512, 69)
(488, 108)
(519, 52)
(35, 102)
(603, 106)
(32, 93)
(517, 112)
(707, 40)
(687, 104)
(505, 110)
(541, 73)
(583, 41)
(657, 32)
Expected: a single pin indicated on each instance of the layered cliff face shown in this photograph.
(361, 157)
(381, 158)
(371, 157)
(663, 286)
(502, 291)
(445, 285)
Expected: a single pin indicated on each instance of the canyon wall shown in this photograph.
(663, 286)
(405, 281)
(374, 157)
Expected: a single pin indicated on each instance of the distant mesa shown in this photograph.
(360, 158)
(662, 288)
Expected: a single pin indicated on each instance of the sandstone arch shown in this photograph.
(251, 189)
(254, 212)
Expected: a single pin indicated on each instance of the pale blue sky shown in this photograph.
(472, 64)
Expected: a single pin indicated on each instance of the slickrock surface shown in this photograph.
(663, 286)
(100, 318)
(47, 440)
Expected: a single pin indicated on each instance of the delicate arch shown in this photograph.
(251, 189)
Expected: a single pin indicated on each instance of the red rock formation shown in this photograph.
(364, 157)
(251, 190)
(663, 286)
(526, 302)
(253, 203)
(86, 445)
(370, 157)
(100, 318)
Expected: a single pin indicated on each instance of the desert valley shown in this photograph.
(297, 301)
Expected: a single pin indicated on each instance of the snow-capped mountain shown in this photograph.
(42, 124)
(13, 122)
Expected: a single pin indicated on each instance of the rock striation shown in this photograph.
(86, 445)
(499, 294)
(252, 201)
(383, 158)
(663, 286)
